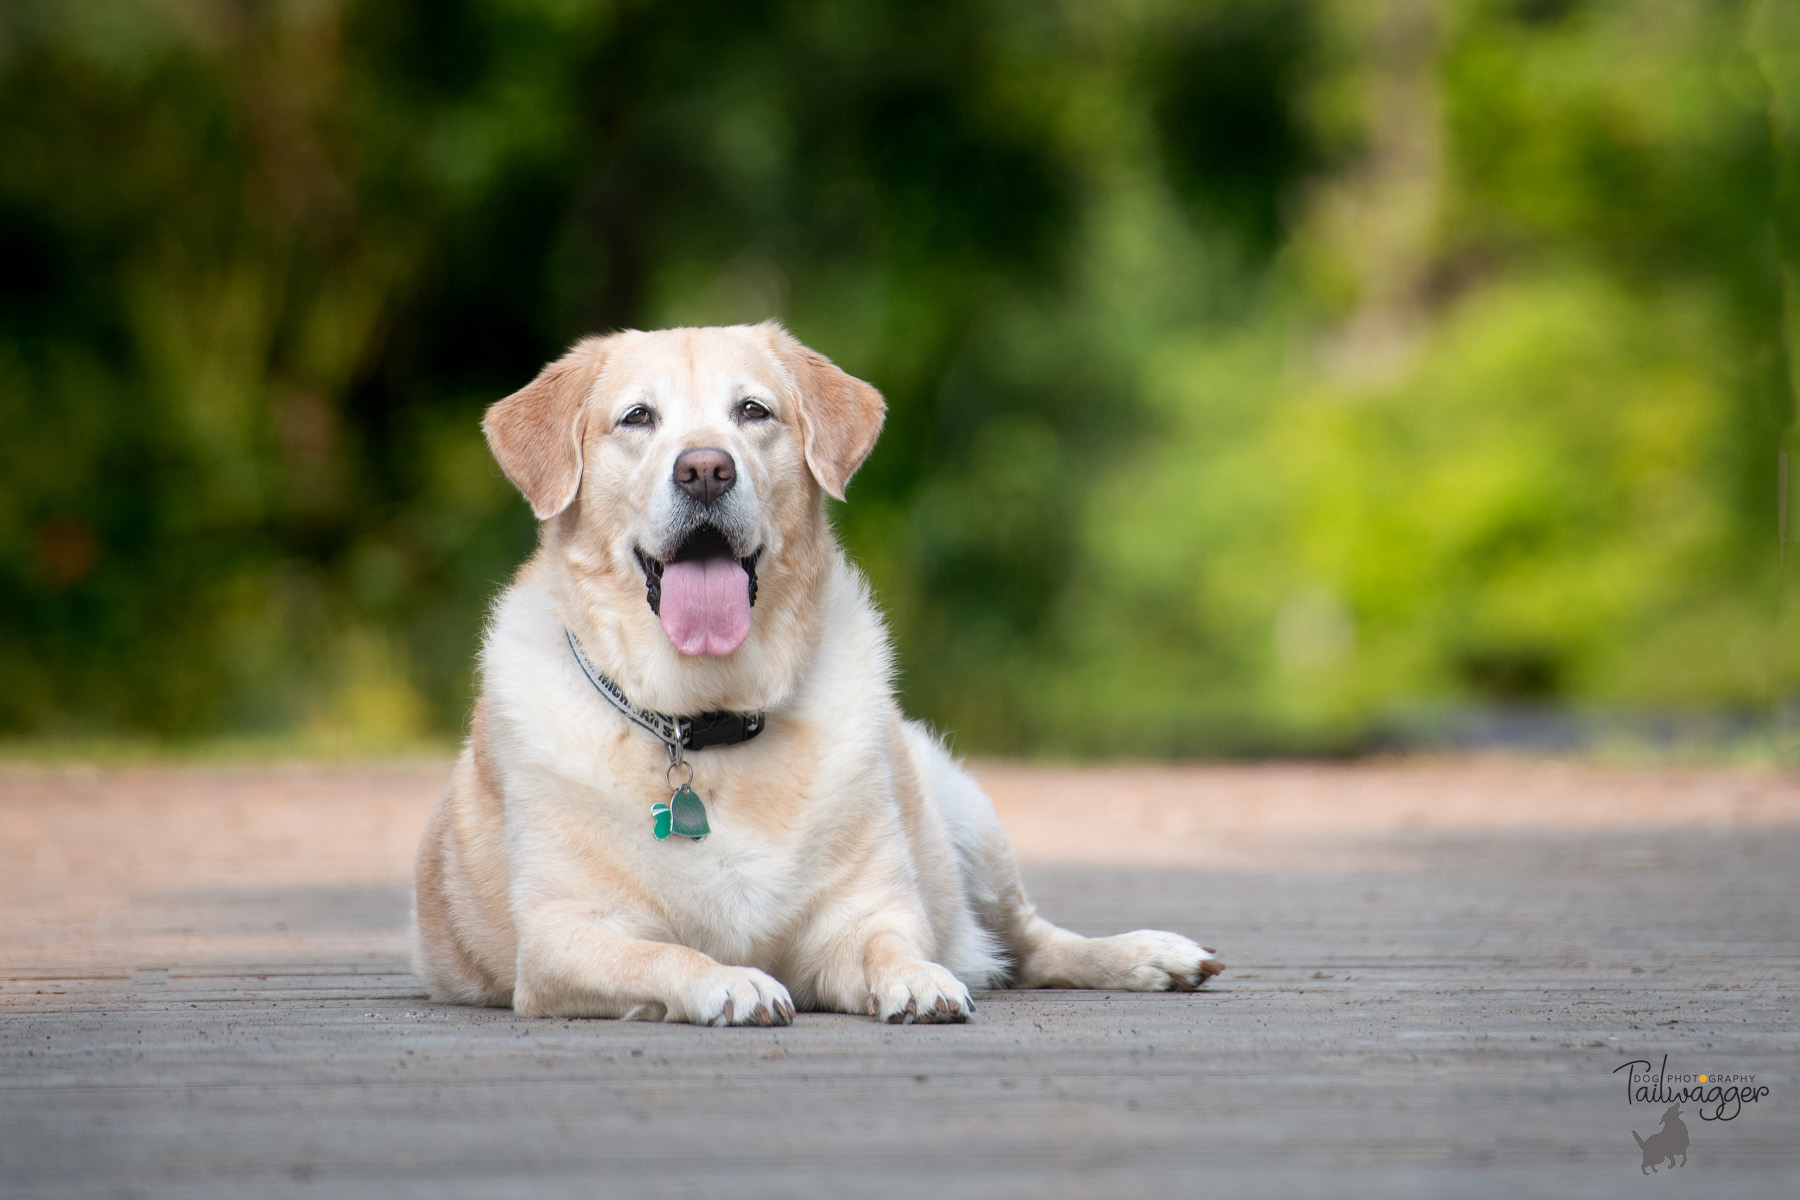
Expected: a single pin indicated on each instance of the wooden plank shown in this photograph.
(1414, 1006)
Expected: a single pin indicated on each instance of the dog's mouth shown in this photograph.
(702, 592)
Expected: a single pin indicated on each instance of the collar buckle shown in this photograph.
(719, 729)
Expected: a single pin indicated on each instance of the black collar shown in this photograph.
(677, 733)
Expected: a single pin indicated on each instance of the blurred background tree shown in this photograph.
(1264, 375)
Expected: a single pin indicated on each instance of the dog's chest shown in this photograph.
(774, 817)
(737, 892)
(732, 895)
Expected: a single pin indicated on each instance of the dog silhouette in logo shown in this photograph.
(1664, 1146)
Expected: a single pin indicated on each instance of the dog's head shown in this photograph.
(689, 461)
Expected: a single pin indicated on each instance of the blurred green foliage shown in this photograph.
(1263, 374)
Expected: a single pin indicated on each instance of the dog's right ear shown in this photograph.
(535, 433)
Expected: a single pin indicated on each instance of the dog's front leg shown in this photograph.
(877, 967)
(904, 987)
(573, 964)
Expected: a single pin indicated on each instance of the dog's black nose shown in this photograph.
(706, 473)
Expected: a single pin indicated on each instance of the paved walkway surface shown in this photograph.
(1437, 972)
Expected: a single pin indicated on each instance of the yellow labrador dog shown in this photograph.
(688, 793)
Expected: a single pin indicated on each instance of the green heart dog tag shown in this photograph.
(687, 814)
(659, 821)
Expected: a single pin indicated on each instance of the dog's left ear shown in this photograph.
(840, 415)
(535, 433)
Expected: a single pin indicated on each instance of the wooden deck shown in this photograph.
(1434, 971)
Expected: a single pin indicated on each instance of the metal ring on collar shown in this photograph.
(669, 776)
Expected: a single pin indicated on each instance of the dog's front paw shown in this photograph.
(919, 991)
(1156, 961)
(740, 996)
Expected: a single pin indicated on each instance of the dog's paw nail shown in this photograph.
(728, 1011)
(872, 1005)
(1210, 949)
(763, 1016)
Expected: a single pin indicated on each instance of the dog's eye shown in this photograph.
(637, 414)
(751, 410)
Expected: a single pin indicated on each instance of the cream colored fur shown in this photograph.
(852, 865)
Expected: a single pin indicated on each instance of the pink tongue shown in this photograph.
(705, 605)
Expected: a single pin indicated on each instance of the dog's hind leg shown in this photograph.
(1147, 960)
(1040, 954)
